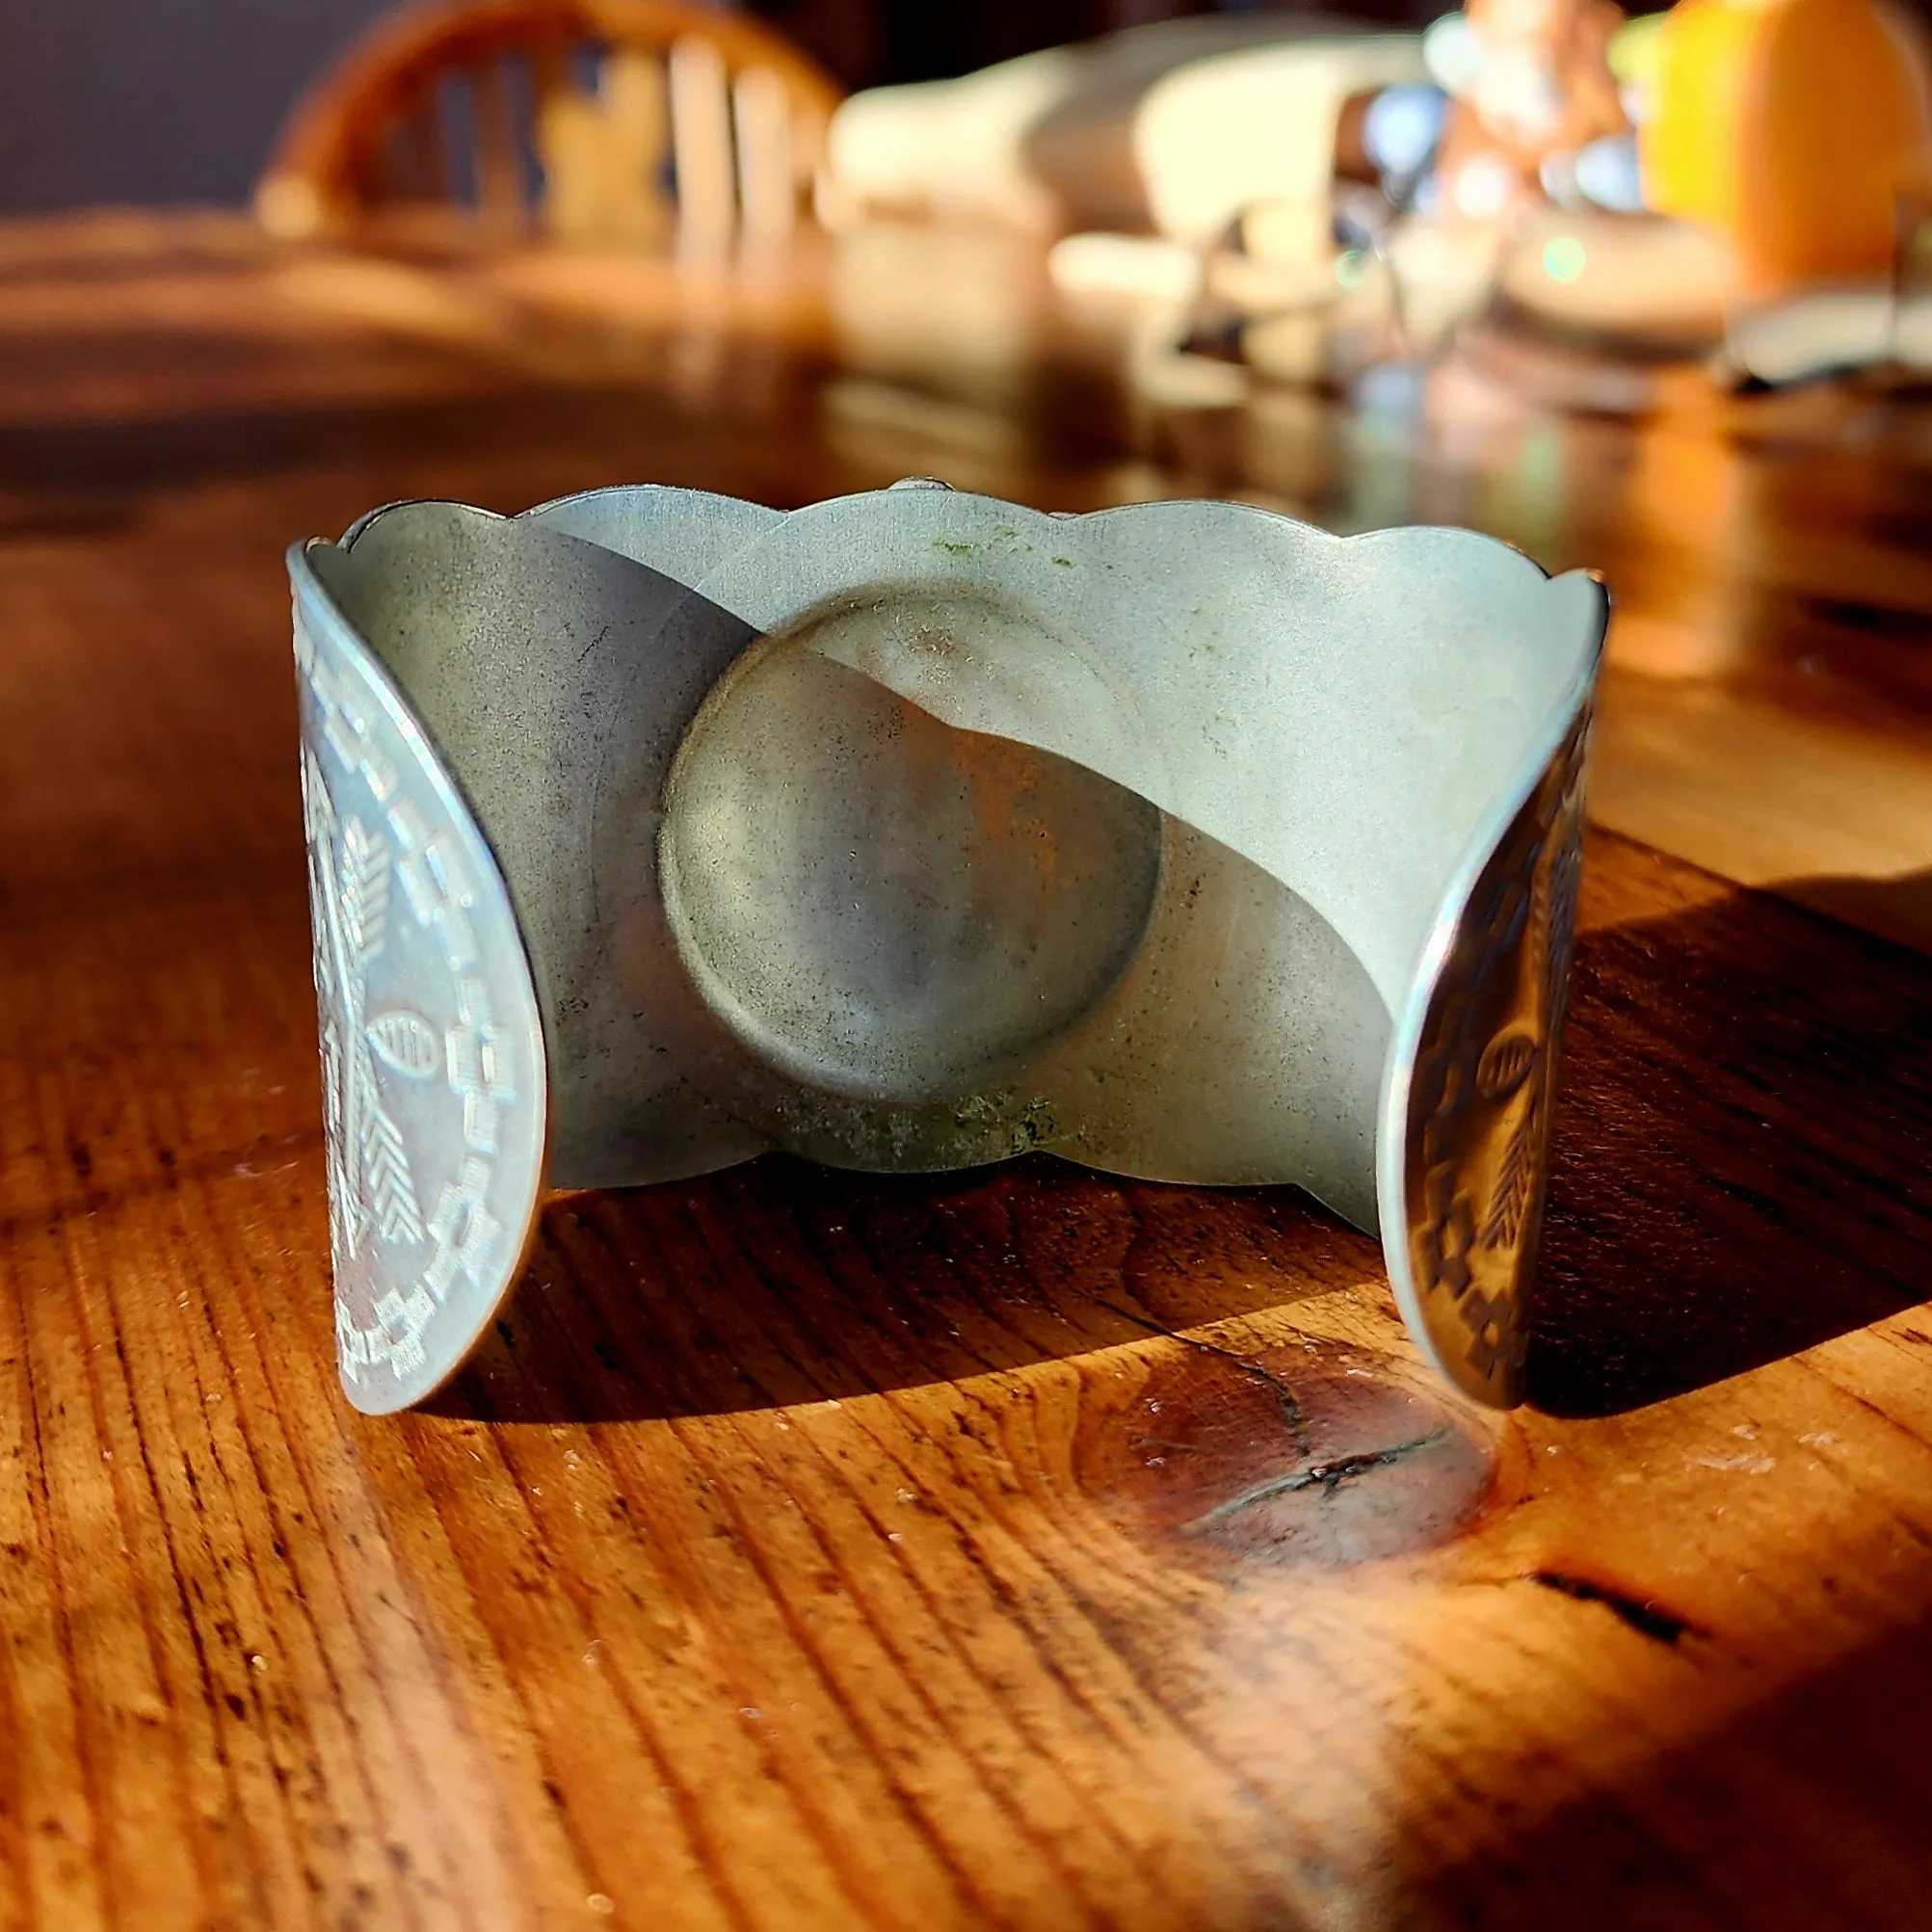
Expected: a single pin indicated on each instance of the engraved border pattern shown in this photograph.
(389, 1292)
(1483, 1088)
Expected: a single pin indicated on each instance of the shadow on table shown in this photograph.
(1741, 1165)
(782, 1283)
(1806, 1809)
(1894, 908)
(1741, 1171)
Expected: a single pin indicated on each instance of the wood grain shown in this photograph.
(1016, 1549)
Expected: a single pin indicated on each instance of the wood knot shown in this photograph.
(1280, 1456)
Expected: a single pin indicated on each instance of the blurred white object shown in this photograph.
(1452, 51)
(1255, 282)
(1402, 130)
(1440, 275)
(1176, 126)
(1141, 266)
(1219, 135)
(951, 147)
(1607, 173)
(1483, 188)
(1513, 88)
(1829, 331)
(1517, 90)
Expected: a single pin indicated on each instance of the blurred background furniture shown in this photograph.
(614, 120)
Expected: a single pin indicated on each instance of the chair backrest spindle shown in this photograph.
(698, 121)
(498, 160)
(767, 168)
(701, 145)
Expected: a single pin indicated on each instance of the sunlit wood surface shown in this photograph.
(1022, 1548)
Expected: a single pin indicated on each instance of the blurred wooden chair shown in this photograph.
(624, 122)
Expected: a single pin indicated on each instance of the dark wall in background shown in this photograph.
(153, 100)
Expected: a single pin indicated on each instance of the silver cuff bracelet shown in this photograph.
(650, 831)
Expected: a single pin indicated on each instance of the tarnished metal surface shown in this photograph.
(915, 830)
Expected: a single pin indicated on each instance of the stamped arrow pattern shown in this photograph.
(366, 1147)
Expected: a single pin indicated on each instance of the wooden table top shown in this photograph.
(1022, 1548)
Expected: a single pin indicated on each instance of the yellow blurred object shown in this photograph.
(1796, 127)
(1632, 52)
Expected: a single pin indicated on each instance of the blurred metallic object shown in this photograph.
(912, 830)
